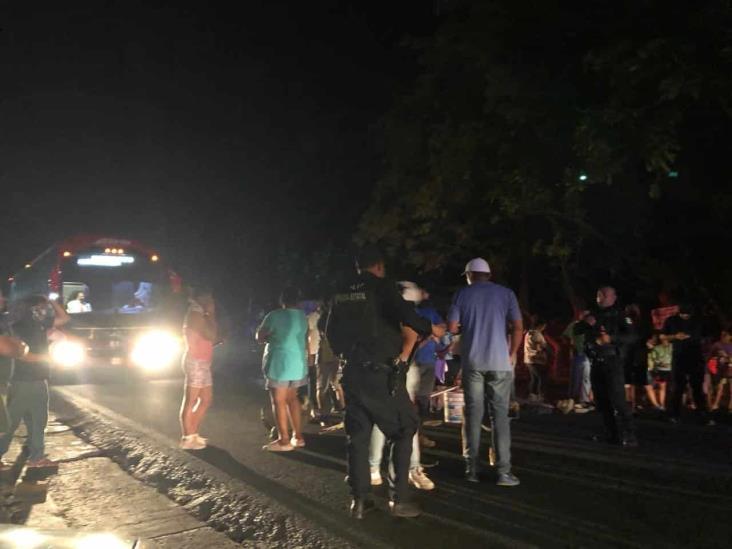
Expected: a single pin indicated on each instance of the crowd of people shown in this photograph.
(375, 351)
(394, 345)
(666, 363)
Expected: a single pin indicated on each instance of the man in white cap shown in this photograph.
(483, 312)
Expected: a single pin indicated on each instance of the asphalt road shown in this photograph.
(674, 491)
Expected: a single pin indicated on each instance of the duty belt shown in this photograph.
(377, 367)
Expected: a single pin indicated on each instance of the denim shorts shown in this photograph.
(285, 384)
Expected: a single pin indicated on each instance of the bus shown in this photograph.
(132, 308)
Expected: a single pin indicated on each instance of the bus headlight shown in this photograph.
(155, 350)
(67, 353)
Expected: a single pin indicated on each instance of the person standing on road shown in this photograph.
(425, 361)
(684, 331)
(608, 335)
(484, 313)
(659, 363)
(366, 328)
(537, 359)
(201, 332)
(285, 365)
(580, 388)
(313, 313)
(328, 382)
(28, 391)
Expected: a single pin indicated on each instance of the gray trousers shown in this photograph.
(27, 401)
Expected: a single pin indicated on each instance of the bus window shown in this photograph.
(123, 284)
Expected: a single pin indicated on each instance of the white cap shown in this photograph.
(410, 291)
(477, 265)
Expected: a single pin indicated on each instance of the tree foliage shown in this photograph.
(542, 136)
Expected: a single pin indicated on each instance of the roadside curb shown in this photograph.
(243, 513)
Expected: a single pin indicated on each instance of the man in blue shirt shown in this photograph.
(425, 359)
(489, 319)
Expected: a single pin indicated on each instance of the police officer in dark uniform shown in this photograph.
(608, 335)
(366, 328)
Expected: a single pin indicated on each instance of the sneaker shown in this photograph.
(426, 442)
(507, 479)
(200, 439)
(4, 466)
(376, 479)
(533, 397)
(275, 446)
(190, 442)
(42, 463)
(297, 442)
(420, 480)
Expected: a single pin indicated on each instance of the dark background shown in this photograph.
(229, 137)
(250, 144)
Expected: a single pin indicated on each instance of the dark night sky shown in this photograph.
(217, 135)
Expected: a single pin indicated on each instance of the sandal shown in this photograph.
(275, 446)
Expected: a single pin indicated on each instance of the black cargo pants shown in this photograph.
(608, 385)
(689, 372)
(369, 403)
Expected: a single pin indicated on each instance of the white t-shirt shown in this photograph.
(75, 306)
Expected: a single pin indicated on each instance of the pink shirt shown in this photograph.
(197, 346)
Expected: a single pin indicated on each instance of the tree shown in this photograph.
(529, 135)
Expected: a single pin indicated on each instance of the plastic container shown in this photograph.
(454, 404)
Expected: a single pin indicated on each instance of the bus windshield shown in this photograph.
(102, 283)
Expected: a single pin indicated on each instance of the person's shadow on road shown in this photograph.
(320, 514)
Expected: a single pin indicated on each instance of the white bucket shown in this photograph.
(454, 404)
